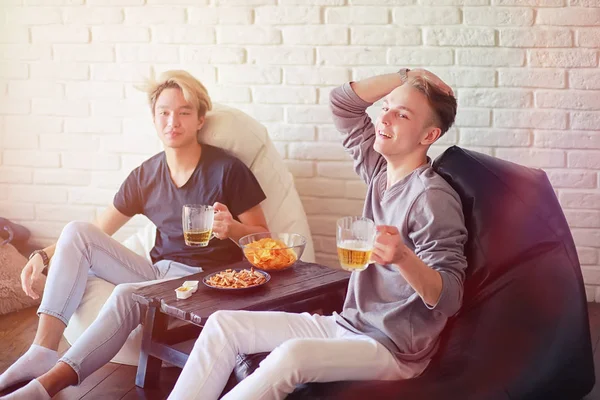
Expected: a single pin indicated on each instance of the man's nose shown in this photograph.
(385, 118)
(173, 120)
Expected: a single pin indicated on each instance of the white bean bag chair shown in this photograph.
(248, 140)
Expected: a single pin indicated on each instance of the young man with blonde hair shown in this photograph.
(396, 308)
(187, 172)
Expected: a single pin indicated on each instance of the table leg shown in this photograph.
(155, 325)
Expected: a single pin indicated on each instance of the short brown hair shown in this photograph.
(193, 90)
(443, 104)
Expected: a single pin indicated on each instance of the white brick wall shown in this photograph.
(71, 123)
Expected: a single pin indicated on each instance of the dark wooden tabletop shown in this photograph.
(301, 282)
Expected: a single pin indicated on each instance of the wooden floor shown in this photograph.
(115, 381)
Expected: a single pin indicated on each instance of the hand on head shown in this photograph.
(432, 78)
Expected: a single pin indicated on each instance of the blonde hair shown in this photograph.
(192, 89)
(443, 104)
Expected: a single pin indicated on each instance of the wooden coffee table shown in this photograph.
(304, 287)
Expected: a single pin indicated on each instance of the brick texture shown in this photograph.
(72, 124)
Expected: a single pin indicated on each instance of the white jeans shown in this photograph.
(305, 348)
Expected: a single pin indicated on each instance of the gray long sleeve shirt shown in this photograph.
(380, 303)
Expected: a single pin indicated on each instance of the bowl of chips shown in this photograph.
(273, 251)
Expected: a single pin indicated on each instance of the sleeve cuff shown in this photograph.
(246, 207)
(447, 303)
(122, 210)
(348, 91)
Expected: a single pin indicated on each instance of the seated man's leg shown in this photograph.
(105, 336)
(229, 333)
(349, 356)
(81, 247)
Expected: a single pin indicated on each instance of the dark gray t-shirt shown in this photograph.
(149, 190)
(380, 303)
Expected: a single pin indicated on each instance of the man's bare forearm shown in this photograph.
(376, 87)
(239, 230)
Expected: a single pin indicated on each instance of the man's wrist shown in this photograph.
(42, 253)
(401, 257)
(403, 72)
(237, 230)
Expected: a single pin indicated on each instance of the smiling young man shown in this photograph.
(186, 172)
(396, 309)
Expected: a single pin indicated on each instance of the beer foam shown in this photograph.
(360, 245)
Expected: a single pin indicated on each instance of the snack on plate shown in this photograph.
(230, 279)
(269, 253)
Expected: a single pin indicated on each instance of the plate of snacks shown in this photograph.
(236, 279)
(273, 251)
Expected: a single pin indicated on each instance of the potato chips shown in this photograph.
(270, 254)
(231, 279)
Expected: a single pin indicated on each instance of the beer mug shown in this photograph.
(197, 224)
(355, 238)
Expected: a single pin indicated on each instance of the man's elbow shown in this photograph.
(334, 96)
(451, 296)
(454, 307)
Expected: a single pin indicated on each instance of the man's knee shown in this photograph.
(121, 299)
(122, 295)
(219, 318)
(124, 290)
(218, 322)
(226, 323)
(76, 229)
(291, 357)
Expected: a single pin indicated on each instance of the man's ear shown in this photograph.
(201, 122)
(432, 134)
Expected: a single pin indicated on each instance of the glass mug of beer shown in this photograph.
(197, 224)
(355, 238)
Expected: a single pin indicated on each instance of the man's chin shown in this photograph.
(379, 149)
(177, 145)
(170, 144)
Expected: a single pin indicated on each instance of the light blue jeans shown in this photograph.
(83, 250)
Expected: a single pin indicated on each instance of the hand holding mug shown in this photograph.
(389, 248)
(223, 221)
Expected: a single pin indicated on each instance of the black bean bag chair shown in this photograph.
(522, 332)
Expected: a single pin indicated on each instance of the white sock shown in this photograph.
(34, 363)
(32, 391)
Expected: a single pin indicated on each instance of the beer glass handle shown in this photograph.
(212, 233)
